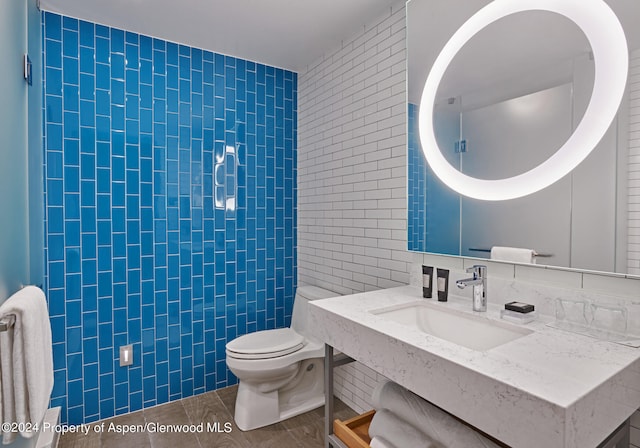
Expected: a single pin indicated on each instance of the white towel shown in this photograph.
(380, 442)
(428, 418)
(397, 432)
(513, 254)
(7, 403)
(26, 359)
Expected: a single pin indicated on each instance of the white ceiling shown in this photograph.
(283, 33)
(294, 33)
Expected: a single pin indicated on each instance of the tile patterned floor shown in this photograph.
(305, 431)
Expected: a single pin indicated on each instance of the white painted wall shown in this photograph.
(34, 141)
(21, 235)
(14, 237)
(20, 154)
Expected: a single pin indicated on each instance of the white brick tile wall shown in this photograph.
(633, 257)
(634, 198)
(351, 137)
(351, 174)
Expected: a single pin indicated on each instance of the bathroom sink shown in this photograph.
(474, 332)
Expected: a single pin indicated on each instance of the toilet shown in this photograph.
(281, 371)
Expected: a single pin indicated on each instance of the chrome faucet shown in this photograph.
(479, 283)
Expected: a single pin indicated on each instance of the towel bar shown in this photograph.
(5, 324)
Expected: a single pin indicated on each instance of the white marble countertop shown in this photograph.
(549, 388)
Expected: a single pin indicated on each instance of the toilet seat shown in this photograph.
(265, 344)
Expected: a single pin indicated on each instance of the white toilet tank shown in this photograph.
(303, 295)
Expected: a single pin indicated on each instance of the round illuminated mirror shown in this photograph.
(505, 105)
(598, 26)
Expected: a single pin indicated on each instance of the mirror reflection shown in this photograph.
(510, 98)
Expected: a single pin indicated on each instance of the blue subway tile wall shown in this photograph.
(416, 185)
(433, 208)
(170, 195)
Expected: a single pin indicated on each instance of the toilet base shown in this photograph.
(305, 392)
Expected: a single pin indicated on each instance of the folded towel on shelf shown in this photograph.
(380, 442)
(26, 359)
(398, 433)
(429, 419)
(513, 254)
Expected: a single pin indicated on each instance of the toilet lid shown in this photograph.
(265, 344)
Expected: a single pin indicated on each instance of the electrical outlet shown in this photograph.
(126, 355)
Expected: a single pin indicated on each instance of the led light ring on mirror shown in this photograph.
(609, 46)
